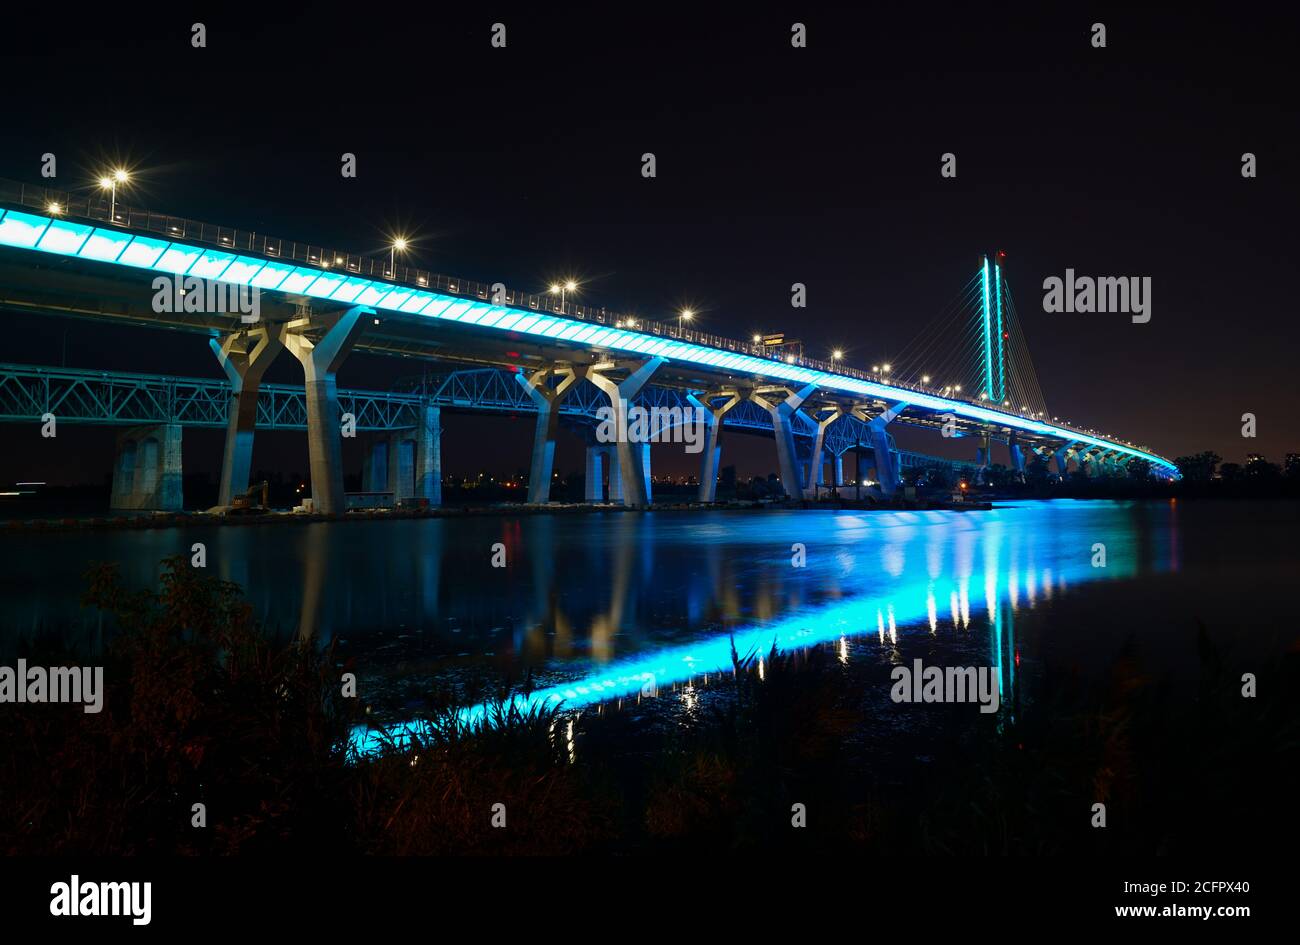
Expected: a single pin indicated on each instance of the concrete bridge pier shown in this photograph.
(602, 462)
(244, 356)
(320, 361)
(888, 473)
(711, 458)
(817, 459)
(407, 462)
(374, 466)
(1017, 457)
(783, 432)
(428, 455)
(147, 469)
(595, 477)
(1062, 456)
(633, 458)
(615, 478)
(839, 470)
(547, 400)
(982, 456)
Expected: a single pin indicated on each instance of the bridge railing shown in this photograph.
(97, 207)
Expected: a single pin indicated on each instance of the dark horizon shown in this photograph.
(774, 165)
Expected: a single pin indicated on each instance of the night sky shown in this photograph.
(775, 165)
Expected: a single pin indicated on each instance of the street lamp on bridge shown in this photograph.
(110, 183)
(562, 289)
(685, 315)
(399, 245)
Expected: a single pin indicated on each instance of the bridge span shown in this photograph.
(71, 256)
(154, 408)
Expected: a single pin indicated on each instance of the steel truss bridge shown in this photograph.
(28, 393)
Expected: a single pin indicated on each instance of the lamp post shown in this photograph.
(109, 182)
(685, 314)
(562, 289)
(399, 246)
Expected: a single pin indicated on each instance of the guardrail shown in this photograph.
(97, 207)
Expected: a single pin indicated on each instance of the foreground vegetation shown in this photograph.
(202, 708)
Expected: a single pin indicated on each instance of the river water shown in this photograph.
(598, 606)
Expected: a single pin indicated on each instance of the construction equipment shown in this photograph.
(244, 504)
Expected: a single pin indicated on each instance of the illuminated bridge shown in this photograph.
(81, 257)
(147, 402)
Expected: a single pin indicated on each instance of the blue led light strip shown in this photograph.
(988, 345)
(29, 231)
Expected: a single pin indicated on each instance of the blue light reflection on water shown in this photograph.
(592, 603)
(919, 558)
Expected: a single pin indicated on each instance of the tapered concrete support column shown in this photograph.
(711, 459)
(428, 455)
(783, 432)
(147, 469)
(547, 401)
(633, 458)
(1062, 457)
(321, 359)
(244, 356)
(888, 473)
(817, 459)
(982, 457)
(1017, 457)
(839, 470)
(1088, 462)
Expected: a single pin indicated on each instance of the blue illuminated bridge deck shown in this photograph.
(149, 242)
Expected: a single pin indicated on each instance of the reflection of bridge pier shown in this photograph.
(314, 549)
